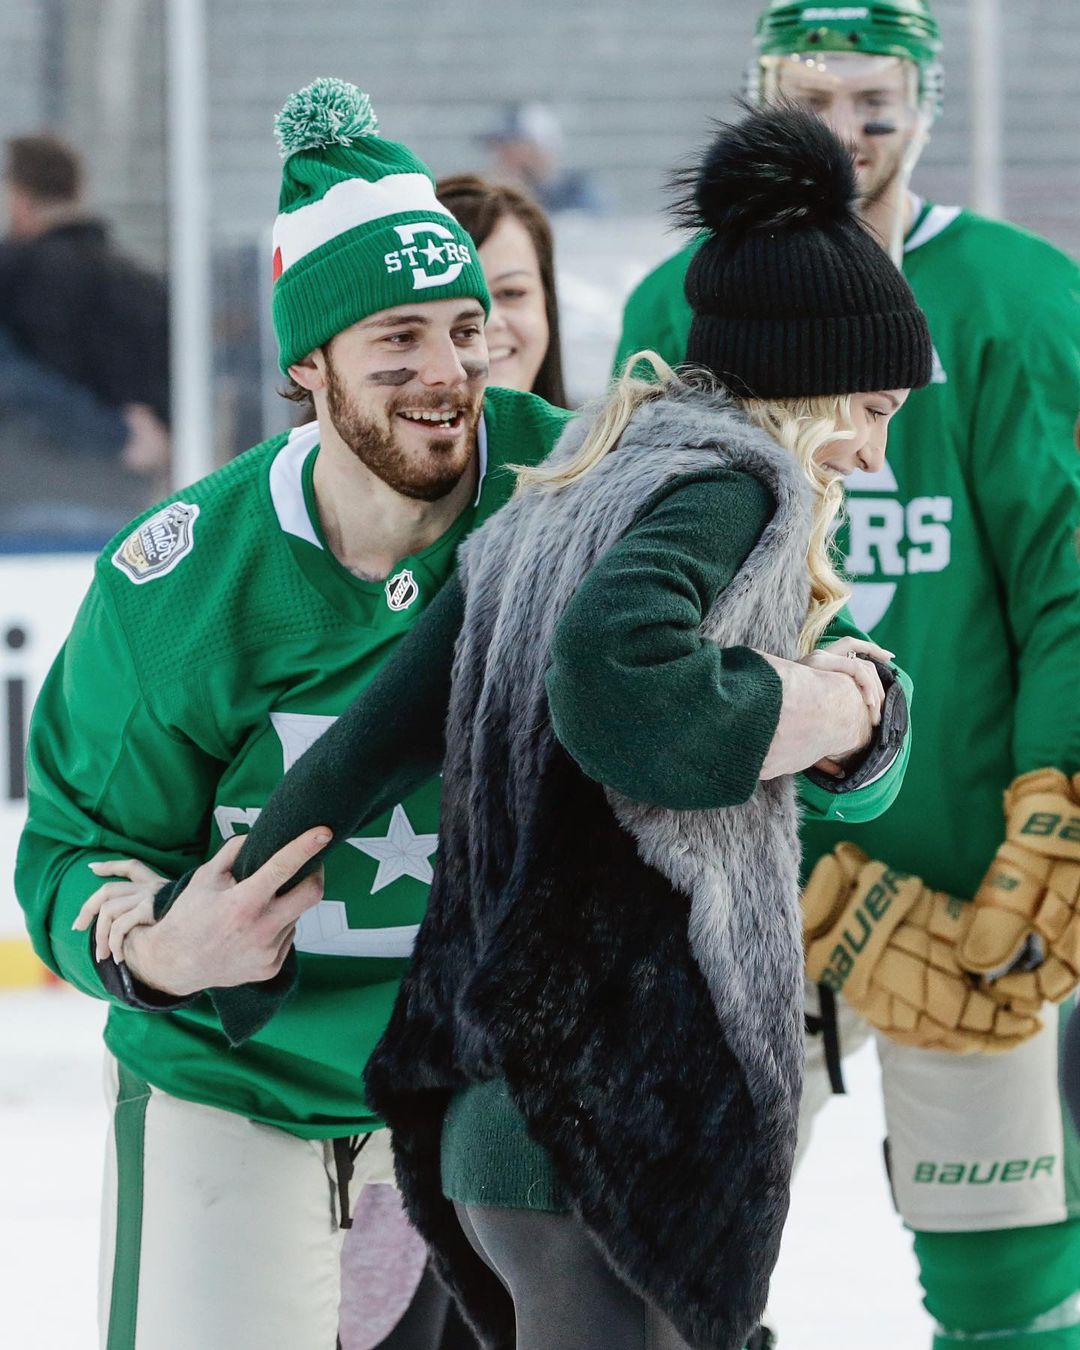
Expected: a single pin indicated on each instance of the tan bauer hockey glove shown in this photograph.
(1024, 937)
(890, 945)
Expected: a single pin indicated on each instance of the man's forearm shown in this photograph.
(152, 961)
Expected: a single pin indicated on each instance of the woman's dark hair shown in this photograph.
(478, 205)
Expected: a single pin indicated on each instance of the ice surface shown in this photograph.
(846, 1279)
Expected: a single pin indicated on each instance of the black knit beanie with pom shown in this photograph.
(792, 296)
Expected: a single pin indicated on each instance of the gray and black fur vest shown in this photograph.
(634, 973)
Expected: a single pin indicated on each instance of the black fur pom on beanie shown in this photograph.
(792, 296)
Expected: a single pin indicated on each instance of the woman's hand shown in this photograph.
(830, 703)
(844, 657)
(119, 906)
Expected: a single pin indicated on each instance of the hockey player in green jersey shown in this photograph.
(221, 635)
(962, 554)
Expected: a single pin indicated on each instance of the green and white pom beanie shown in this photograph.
(359, 228)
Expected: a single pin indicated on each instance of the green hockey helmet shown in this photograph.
(903, 29)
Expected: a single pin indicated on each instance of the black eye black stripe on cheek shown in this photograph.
(385, 377)
(475, 370)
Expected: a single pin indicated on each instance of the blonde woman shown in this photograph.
(593, 1067)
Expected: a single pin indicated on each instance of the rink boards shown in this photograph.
(39, 594)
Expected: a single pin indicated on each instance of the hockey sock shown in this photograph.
(1006, 1289)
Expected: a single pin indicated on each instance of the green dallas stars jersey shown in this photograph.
(216, 642)
(962, 552)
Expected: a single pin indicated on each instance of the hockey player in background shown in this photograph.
(963, 557)
(220, 637)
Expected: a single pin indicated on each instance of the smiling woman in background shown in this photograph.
(513, 237)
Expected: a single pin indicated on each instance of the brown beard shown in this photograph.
(426, 477)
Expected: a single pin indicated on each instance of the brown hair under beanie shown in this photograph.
(792, 296)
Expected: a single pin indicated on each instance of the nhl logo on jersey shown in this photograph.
(401, 590)
(158, 544)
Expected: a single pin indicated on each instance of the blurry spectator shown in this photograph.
(526, 145)
(516, 250)
(83, 360)
(47, 423)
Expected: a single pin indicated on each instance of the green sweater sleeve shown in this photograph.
(387, 743)
(639, 698)
(106, 779)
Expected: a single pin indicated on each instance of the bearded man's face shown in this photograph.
(404, 391)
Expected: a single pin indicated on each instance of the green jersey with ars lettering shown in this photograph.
(962, 551)
(217, 641)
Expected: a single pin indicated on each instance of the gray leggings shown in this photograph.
(566, 1296)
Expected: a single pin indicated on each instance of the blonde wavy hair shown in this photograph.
(801, 425)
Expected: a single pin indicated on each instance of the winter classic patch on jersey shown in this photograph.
(155, 548)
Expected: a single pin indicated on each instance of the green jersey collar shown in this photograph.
(287, 483)
(481, 458)
(928, 221)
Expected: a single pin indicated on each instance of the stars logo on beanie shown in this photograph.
(451, 252)
(359, 228)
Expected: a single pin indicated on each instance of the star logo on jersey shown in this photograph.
(400, 853)
(401, 590)
(325, 930)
